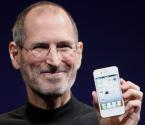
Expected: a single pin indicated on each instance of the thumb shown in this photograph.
(95, 101)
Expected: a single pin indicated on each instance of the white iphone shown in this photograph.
(109, 93)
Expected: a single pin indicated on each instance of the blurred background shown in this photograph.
(113, 33)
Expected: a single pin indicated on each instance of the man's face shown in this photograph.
(55, 73)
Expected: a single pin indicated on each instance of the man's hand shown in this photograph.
(132, 97)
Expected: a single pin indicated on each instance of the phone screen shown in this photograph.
(109, 91)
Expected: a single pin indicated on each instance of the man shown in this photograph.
(45, 48)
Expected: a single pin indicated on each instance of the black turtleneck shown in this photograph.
(72, 113)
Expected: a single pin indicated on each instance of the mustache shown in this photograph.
(53, 69)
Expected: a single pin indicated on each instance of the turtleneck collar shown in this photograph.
(38, 115)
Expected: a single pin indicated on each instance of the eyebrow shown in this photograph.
(66, 42)
(42, 44)
(45, 43)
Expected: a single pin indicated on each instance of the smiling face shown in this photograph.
(55, 73)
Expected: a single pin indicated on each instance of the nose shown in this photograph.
(53, 57)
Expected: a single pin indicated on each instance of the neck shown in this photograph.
(51, 102)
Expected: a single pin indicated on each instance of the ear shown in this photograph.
(14, 54)
(79, 52)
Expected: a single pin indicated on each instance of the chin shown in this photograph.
(46, 94)
(54, 90)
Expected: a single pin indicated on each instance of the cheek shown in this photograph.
(71, 60)
(30, 65)
(31, 61)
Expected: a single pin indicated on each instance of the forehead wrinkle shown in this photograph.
(45, 14)
(48, 10)
(39, 10)
(40, 13)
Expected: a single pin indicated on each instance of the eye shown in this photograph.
(65, 45)
(40, 47)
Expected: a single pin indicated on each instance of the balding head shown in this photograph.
(38, 10)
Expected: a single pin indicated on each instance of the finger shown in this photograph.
(128, 85)
(122, 81)
(130, 119)
(125, 115)
(132, 93)
(134, 104)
